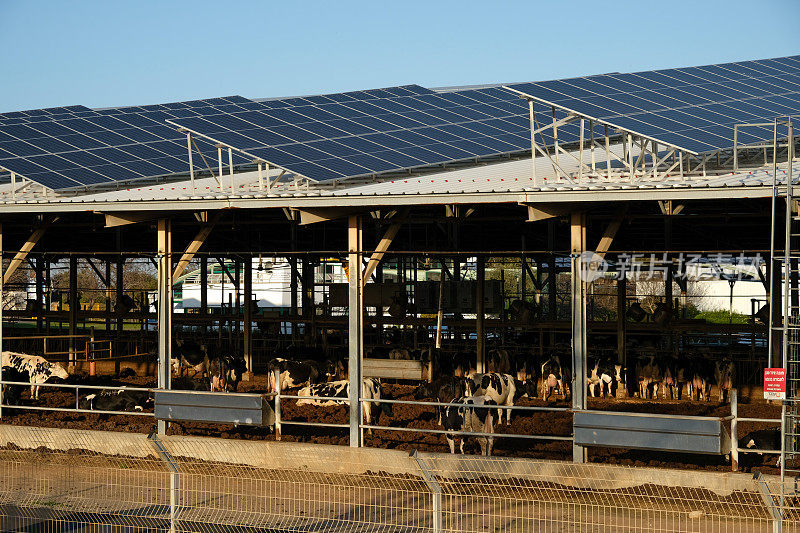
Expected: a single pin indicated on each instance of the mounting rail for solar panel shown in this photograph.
(256, 160)
(603, 122)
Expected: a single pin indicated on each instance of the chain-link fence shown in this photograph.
(68, 480)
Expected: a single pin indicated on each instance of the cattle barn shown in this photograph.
(414, 235)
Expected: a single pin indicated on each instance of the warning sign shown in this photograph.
(774, 383)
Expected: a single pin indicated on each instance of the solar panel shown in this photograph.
(370, 94)
(108, 146)
(363, 137)
(692, 108)
(41, 115)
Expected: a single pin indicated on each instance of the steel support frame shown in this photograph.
(578, 307)
(356, 325)
(164, 297)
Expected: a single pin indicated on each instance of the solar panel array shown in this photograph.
(358, 138)
(369, 94)
(692, 108)
(39, 115)
(108, 146)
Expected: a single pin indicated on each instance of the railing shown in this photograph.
(77, 389)
(67, 347)
(62, 479)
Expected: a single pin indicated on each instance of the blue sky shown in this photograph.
(113, 53)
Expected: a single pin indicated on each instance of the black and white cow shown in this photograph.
(12, 393)
(225, 372)
(475, 415)
(370, 390)
(443, 389)
(498, 361)
(499, 387)
(603, 373)
(725, 377)
(39, 370)
(649, 375)
(676, 374)
(701, 373)
(219, 374)
(762, 439)
(292, 373)
(526, 369)
(464, 363)
(555, 378)
(116, 400)
(189, 355)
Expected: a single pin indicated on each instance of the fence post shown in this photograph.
(774, 509)
(436, 491)
(734, 430)
(174, 481)
(277, 377)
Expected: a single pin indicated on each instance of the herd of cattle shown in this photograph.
(476, 402)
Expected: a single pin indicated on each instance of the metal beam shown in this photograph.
(383, 245)
(25, 249)
(194, 246)
(543, 211)
(100, 275)
(128, 217)
(611, 231)
(227, 272)
(324, 214)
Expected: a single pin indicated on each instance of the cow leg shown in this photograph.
(461, 444)
(451, 442)
(509, 403)
(368, 415)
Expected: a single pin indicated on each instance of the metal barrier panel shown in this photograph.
(68, 480)
(651, 432)
(214, 407)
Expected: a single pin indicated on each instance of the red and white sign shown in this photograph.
(774, 383)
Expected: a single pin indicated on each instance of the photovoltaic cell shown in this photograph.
(363, 136)
(692, 108)
(80, 147)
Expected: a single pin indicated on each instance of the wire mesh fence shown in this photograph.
(69, 480)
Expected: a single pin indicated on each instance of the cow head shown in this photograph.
(87, 402)
(425, 390)
(58, 371)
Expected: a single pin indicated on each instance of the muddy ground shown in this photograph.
(751, 404)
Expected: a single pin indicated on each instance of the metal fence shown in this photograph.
(69, 480)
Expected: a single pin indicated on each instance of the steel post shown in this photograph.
(248, 316)
(356, 325)
(479, 313)
(164, 309)
(578, 300)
